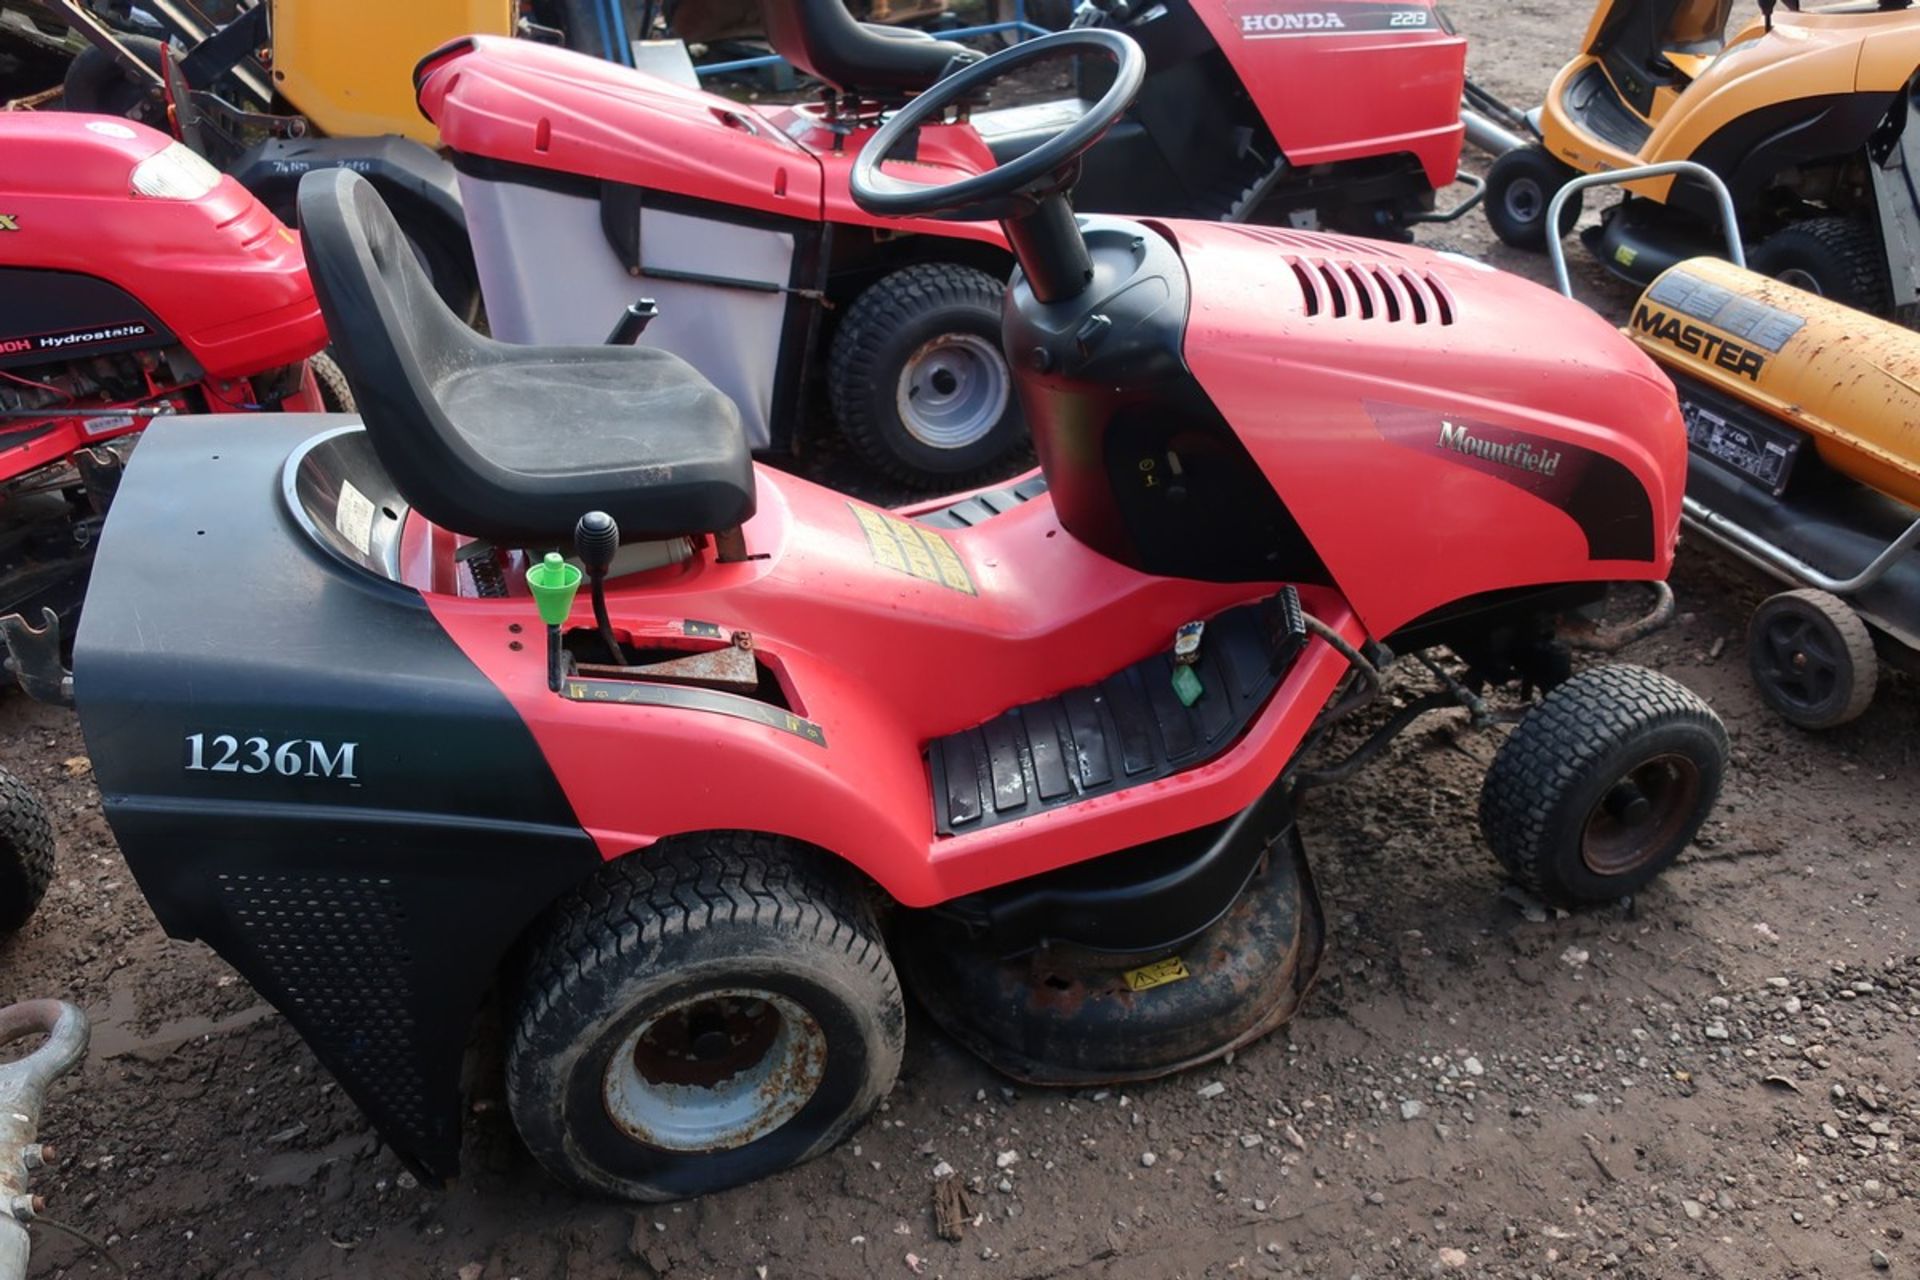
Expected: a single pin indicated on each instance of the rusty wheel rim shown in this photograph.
(715, 1071)
(1640, 816)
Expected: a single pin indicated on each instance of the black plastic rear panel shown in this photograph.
(372, 910)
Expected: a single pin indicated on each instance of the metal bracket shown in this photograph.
(33, 658)
(732, 668)
(1460, 210)
(1897, 197)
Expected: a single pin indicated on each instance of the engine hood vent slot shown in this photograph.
(1340, 288)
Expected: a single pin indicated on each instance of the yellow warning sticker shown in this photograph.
(906, 547)
(1157, 974)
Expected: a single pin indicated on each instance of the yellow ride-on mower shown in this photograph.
(1804, 114)
(1803, 420)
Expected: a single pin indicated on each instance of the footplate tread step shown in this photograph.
(1127, 729)
(983, 506)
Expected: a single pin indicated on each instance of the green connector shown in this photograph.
(1186, 683)
(553, 582)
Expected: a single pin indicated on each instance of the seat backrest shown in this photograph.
(824, 40)
(390, 331)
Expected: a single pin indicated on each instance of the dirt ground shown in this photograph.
(1721, 1080)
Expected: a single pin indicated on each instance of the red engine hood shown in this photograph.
(1438, 428)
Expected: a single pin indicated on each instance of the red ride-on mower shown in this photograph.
(588, 185)
(135, 281)
(380, 755)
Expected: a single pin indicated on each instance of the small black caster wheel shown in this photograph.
(1602, 785)
(1812, 658)
(26, 852)
(1520, 187)
(703, 1013)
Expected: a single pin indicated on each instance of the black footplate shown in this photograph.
(982, 507)
(1130, 728)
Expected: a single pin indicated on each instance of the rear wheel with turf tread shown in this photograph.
(1835, 257)
(26, 852)
(918, 381)
(1812, 658)
(1603, 784)
(1520, 187)
(336, 395)
(702, 1013)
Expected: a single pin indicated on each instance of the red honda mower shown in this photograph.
(135, 281)
(587, 185)
(377, 752)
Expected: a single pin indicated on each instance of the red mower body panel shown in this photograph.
(219, 272)
(1549, 463)
(1385, 78)
(875, 663)
(519, 103)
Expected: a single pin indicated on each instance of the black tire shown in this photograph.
(26, 852)
(336, 395)
(1837, 258)
(1520, 186)
(640, 960)
(914, 320)
(95, 82)
(1561, 807)
(1812, 658)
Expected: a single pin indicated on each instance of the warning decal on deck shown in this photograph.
(909, 548)
(1157, 974)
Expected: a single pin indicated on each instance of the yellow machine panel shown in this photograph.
(1850, 381)
(1806, 55)
(347, 65)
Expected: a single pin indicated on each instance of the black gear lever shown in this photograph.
(595, 540)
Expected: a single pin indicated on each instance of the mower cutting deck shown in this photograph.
(708, 778)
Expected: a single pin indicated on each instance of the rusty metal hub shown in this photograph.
(715, 1071)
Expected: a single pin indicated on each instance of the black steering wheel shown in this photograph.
(1008, 191)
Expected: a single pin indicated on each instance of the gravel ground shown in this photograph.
(1721, 1080)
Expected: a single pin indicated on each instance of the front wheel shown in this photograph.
(918, 381)
(1603, 784)
(1520, 188)
(706, 1012)
(26, 852)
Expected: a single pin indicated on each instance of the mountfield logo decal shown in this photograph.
(9, 222)
(1516, 453)
(1278, 19)
(1598, 492)
(1697, 341)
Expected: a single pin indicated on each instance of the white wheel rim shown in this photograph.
(715, 1071)
(953, 391)
(1801, 278)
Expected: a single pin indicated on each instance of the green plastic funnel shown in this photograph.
(553, 582)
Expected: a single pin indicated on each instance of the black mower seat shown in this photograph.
(511, 443)
(823, 39)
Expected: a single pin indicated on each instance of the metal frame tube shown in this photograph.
(1729, 221)
(1719, 526)
(23, 1091)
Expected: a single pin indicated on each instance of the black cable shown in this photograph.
(84, 1239)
